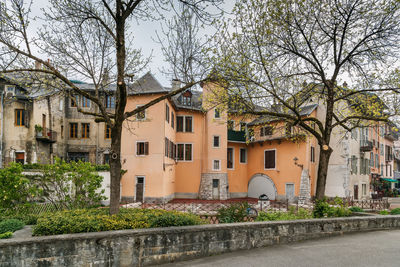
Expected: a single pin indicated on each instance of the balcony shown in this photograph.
(46, 135)
(396, 175)
(390, 135)
(365, 146)
(236, 136)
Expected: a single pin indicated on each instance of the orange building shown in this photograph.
(178, 148)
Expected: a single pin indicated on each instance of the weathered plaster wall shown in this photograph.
(156, 246)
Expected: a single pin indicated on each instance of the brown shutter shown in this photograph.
(138, 148)
(146, 148)
(269, 159)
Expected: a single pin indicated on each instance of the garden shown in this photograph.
(64, 198)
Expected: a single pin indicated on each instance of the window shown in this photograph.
(74, 101)
(85, 102)
(107, 134)
(231, 125)
(85, 130)
(243, 155)
(230, 158)
(62, 131)
(73, 130)
(19, 117)
(354, 133)
(184, 124)
(364, 189)
(216, 165)
(371, 159)
(216, 141)
(106, 158)
(10, 89)
(110, 101)
(382, 149)
(312, 154)
(353, 165)
(217, 114)
(141, 115)
(376, 160)
(78, 156)
(167, 113)
(269, 159)
(142, 148)
(172, 120)
(266, 131)
(184, 152)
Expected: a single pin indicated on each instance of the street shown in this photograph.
(380, 248)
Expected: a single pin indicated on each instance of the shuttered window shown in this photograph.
(269, 159)
(230, 158)
(142, 148)
(19, 117)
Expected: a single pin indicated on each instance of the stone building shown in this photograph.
(38, 125)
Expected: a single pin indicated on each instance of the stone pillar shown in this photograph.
(206, 185)
(305, 188)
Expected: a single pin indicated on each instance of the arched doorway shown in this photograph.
(261, 184)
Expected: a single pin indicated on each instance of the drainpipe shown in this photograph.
(2, 128)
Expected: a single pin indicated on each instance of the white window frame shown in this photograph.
(219, 141)
(136, 148)
(144, 185)
(184, 152)
(245, 149)
(145, 114)
(362, 189)
(233, 158)
(270, 169)
(183, 123)
(219, 164)
(19, 151)
(8, 86)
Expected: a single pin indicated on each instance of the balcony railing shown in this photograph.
(389, 157)
(236, 136)
(365, 145)
(46, 135)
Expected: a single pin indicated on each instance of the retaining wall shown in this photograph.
(161, 245)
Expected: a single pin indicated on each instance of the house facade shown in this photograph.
(180, 148)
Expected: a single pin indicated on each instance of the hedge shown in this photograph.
(95, 220)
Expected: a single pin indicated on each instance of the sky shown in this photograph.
(144, 38)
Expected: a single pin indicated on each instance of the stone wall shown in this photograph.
(156, 246)
(206, 185)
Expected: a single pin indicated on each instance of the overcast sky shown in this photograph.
(144, 32)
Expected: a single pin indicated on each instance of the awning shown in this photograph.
(390, 180)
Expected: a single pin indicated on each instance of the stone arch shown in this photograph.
(261, 184)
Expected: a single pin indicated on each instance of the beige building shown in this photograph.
(38, 126)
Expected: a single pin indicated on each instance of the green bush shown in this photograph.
(356, 209)
(284, 216)
(236, 212)
(323, 209)
(395, 211)
(14, 187)
(10, 225)
(95, 220)
(384, 212)
(6, 235)
(100, 168)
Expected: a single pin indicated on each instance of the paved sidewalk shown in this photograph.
(380, 248)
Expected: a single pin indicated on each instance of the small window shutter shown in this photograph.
(138, 148)
(26, 118)
(146, 148)
(262, 131)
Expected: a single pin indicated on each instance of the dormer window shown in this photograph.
(187, 98)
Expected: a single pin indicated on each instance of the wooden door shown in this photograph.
(139, 189)
(355, 191)
(215, 189)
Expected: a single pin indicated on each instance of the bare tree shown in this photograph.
(280, 54)
(87, 38)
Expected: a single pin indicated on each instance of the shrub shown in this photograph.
(356, 209)
(14, 187)
(10, 225)
(6, 235)
(323, 209)
(384, 212)
(94, 220)
(236, 212)
(100, 168)
(395, 211)
(284, 216)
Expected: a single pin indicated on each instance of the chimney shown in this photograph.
(176, 84)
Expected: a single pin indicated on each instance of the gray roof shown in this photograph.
(147, 84)
(196, 103)
(304, 111)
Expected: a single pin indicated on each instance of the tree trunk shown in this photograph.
(322, 171)
(115, 168)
